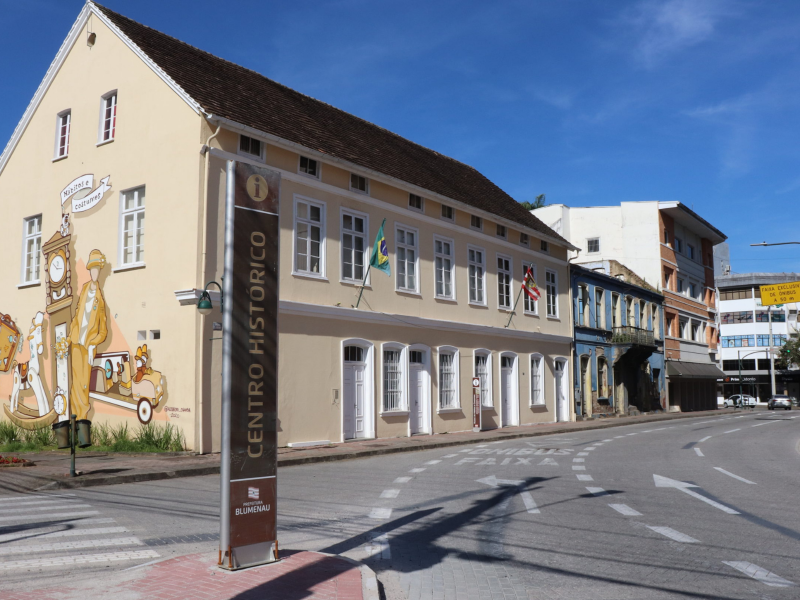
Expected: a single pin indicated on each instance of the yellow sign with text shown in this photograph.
(780, 293)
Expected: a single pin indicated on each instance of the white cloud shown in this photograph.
(662, 29)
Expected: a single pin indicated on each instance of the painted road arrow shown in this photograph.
(666, 482)
(527, 499)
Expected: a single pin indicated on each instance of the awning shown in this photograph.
(688, 370)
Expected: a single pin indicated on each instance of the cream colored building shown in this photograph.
(132, 127)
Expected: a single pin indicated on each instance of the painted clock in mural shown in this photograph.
(58, 275)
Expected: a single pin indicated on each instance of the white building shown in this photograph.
(745, 334)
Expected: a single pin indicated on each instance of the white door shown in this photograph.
(562, 412)
(353, 401)
(507, 395)
(416, 390)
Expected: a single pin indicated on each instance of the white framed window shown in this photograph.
(656, 321)
(63, 125)
(544, 246)
(476, 259)
(529, 305)
(476, 222)
(108, 117)
(524, 240)
(643, 315)
(582, 313)
(309, 237)
(616, 311)
(415, 202)
(359, 184)
(503, 281)
(599, 308)
(551, 291)
(537, 380)
(448, 214)
(593, 245)
(132, 227)
(448, 378)
(406, 259)
(394, 378)
(355, 228)
(31, 249)
(502, 232)
(308, 166)
(483, 371)
(444, 267)
(251, 147)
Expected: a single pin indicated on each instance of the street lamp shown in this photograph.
(204, 305)
(739, 354)
(775, 244)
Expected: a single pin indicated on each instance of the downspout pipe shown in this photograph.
(573, 347)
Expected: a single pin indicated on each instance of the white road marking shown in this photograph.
(597, 491)
(77, 545)
(708, 437)
(450, 455)
(674, 535)
(764, 423)
(584, 453)
(661, 429)
(37, 533)
(578, 460)
(380, 513)
(699, 452)
(481, 445)
(608, 441)
(60, 561)
(402, 480)
(647, 431)
(759, 573)
(34, 497)
(466, 450)
(530, 505)
(729, 474)
(433, 462)
(584, 477)
(616, 437)
(625, 510)
(493, 481)
(590, 448)
(548, 462)
(51, 516)
(631, 434)
(379, 544)
(40, 508)
(732, 430)
(390, 493)
(417, 470)
(578, 468)
(684, 487)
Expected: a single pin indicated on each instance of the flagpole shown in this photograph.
(363, 283)
(514, 310)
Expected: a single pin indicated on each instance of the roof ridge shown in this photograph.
(105, 9)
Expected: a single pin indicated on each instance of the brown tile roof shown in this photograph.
(227, 90)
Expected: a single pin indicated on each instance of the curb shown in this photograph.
(307, 460)
(369, 580)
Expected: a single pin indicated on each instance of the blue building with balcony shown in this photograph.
(619, 341)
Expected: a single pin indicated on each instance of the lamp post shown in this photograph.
(739, 354)
(204, 305)
(775, 244)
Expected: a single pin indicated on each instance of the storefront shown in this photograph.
(759, 385)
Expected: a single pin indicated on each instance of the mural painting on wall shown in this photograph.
(70, 352)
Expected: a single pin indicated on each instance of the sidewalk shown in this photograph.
(298, 575)
(52, 468)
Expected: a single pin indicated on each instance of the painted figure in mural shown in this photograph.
(88, 329)
(26, 375)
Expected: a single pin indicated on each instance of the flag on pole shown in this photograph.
(380, 255)
(529, 285)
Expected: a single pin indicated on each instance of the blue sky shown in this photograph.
(591, 103)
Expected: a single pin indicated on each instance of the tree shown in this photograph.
(538, 203)
(789, 354)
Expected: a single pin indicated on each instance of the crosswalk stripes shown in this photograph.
(61, 531)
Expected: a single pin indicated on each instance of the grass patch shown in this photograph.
(145, 438)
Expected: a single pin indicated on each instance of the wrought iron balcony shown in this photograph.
(633, 335)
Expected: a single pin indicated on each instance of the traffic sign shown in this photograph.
(780, 293)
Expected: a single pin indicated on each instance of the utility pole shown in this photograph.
(771, 353)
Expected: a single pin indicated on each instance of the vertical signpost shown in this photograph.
(476, 404)
(249, 368)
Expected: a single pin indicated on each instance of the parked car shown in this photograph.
(779, 401)
(739, 400)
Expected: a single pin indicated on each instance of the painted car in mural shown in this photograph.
(84, 366)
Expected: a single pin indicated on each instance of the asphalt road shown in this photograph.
(611, 514)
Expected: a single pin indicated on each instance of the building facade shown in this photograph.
(110, 303)
(671, 248)
(748, 330)
(619, 343)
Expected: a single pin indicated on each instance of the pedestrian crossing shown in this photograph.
(62, 531)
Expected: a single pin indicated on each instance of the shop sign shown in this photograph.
(253, 367)
(780, 293)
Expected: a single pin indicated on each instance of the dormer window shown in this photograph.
(523, 239)
(476, 222)
(501, 231)
(251, 146)
(359, 183)
(544, 246)
(415, 202)
(447, 213)
(309, 166)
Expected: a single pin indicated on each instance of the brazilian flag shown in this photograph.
(380, 255)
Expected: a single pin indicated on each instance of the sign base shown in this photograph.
(248, 556)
